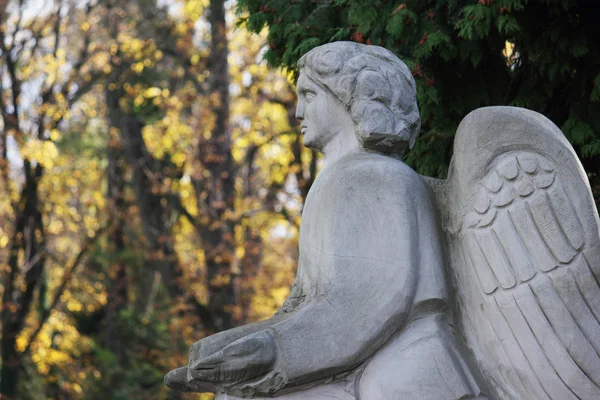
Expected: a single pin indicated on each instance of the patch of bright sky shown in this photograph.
(31, 9)
(175, 8)
(282, 230)
(30, 90)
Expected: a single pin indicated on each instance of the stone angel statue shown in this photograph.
(480, 286)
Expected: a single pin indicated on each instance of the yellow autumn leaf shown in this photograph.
(138, 101)
(138, 67)
(21, 342)
(55, 134)
(179, 159)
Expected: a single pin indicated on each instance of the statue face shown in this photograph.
(324, 118)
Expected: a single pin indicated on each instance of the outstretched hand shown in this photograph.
(178, 380)
(244, 359)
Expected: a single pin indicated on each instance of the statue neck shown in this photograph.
(338, 147)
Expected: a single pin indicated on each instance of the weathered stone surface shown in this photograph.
(526, 275)
(507, 308)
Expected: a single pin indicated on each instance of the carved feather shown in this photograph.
(530, 300)
(553, 325)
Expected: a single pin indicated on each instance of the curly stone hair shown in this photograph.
(376, 88)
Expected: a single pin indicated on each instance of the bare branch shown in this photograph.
(86, 247)
(20, 18)
(84, 53)
(11, 65)
(57, 29)
(47, 93)
(9, 124)
(18, 29)
(178, 205)
(37, 37)
(74, 79)
(187, 68)
(15, 83)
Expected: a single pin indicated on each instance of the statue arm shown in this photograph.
(360, 272)
(341, 328)
(369, 279)
(218, 340)
(180, 379)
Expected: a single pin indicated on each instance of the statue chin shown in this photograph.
(311, 144)
(312, 141)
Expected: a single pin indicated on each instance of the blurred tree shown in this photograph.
(170, 102)
(151, 190)
(214, 179)
(464, 54)
(118, 286)
(127, 117)
(42, 75)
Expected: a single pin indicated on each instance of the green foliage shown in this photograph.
(542, 55)
(32, 386)
(136, 373)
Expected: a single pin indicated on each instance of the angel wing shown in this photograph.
(524, 249)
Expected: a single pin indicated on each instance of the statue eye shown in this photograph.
(310, 96)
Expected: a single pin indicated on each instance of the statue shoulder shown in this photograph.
(367, 185)
(377, 172)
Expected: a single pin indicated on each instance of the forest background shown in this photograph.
(152, 174)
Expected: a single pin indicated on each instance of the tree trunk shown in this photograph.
(28, 239)
(249, 267)
(118, 297)
(218, 189)
(154, 208)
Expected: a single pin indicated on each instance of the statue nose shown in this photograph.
(299, 111)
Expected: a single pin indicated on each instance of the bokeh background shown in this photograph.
(152, 174)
